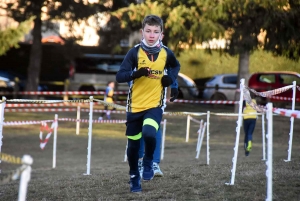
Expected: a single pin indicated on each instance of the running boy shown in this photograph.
(145, 66)
(108, 97)
(250, 116)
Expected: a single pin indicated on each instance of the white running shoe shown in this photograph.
(141, 168)
(157, 171)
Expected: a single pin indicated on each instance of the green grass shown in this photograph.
(185, 178)
(198, 64)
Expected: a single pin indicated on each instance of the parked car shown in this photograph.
(220, 87)
(265, 81)
(6, 84)
(11, 76)
(187, 87)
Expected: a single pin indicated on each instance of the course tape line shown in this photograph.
(207, 101)
(10, 158)
(287, 113)
(13, 175)
(59, 110)
(111, 104)
(269, 94)
(10, 105)
(262, 109)
(65, 92)
(12, 123)
(48, 101)
(44, 127)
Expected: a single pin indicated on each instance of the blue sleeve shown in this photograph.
(172, 65)
(127, 66)
(175, 83)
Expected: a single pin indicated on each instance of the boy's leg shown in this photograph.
(142, 148)
(156, 155)
(134, 134)
(151, 124)
(251, 129)
(246, 126)
(141, 155)
(133, 157)
(150, 142)
(102, 114)
(157, 150)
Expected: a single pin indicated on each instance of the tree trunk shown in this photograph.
(243, 72)
(33, 72)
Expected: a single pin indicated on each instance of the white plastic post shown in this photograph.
(25, 177)
(207, 138)
(162, 153)
(199, 134)
(292, 124)
(2, 106)
(78, 120)
(263, 136)
(269, 171)
(238, 130)
(201, 139)
(187, 128)
(54, 140)
(125, 154)
(88, 165)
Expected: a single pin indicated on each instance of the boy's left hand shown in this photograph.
(174, 94)
(166, 81)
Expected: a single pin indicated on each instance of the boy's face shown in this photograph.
(112, 85)
(151, 34)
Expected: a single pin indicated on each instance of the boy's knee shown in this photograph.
(149, 131)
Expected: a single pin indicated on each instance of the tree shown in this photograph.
(186, 22)
(246, 20)
(71, 11)
(11, 36)
(241, 22)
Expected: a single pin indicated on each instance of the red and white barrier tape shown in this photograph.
(41, 110)
(43, 104)
(13, 123)
(44, 127)
(283, 98)
(66, 104)
(59, 110)
(94, 121)
(65, 92)
(207, 101)
(287, 113)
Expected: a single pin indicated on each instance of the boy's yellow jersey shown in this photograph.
(148, 92)
(249, 112)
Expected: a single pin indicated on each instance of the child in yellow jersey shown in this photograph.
(108, 97)
(145, 68)
(249, 116)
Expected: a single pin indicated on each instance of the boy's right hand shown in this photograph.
(145, 71)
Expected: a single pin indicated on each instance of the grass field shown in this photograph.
(198, 64)
(185, 178)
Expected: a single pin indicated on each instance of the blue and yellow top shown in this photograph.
(248, 111)
(147, 92)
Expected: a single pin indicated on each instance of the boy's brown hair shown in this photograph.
(153, 20)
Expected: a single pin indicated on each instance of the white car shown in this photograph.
(221, 87)
(187, 87)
